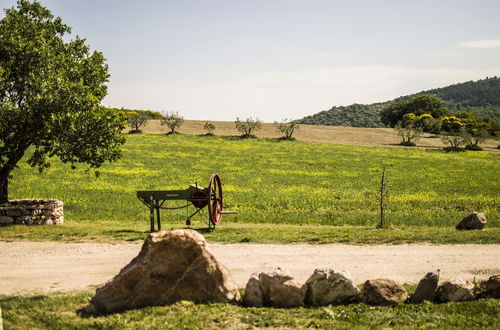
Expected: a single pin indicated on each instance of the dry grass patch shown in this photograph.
(317, 133)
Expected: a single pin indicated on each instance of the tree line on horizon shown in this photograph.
(480, 97)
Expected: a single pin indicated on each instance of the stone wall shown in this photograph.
(32, 212)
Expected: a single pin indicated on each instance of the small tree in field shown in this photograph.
(136, 120)
(287, 128)
(172, 120)
(477, 133)
(409, 130)
(209, 127)
(455, 134)
(248, 126)
(455, 139)
(50, 93)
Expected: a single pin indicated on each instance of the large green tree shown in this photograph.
(50, 93)
(418, 105)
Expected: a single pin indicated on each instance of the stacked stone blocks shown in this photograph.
(32, 212)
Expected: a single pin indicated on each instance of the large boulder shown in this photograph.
(426, 289)
(172, 266)
(326, 286)
(383, 292)
(475, 220)
(274, 289)
(489, 288)
(454, 291)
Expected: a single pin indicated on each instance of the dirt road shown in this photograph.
(42, 267)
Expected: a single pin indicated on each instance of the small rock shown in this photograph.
(426, 289)
(474, 220)
(172, 266)
(325, 287)
(5, 220)
(490, 288)
(455, 290)
(383, 292)
(254, 297)
(280, 290)
(13, 212)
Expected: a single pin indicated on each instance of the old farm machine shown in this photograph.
(210, 197)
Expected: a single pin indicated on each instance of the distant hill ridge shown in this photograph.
(481, 97)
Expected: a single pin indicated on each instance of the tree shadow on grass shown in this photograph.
(173, 133)
(239, 137)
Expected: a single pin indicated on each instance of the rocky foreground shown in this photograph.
(177, 265)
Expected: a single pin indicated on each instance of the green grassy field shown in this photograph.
(278, 182)
(60, 312)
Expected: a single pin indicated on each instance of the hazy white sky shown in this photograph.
(273, 59)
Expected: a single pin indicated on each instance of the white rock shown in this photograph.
(325, 287)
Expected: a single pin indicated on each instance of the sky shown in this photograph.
(275, 59)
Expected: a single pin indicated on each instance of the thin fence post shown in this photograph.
(383, 199)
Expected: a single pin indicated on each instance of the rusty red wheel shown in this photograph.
(215, 200)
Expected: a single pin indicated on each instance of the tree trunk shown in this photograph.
(5, 171)
(4, 185)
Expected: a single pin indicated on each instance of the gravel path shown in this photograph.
(43, 267)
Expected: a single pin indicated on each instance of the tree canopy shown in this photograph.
(172, 120)
(418, 105)
(136, 120)
(248, 126)
(50, 93)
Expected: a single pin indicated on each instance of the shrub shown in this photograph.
(430, 124)
(452, 124)
(473, 147)
(408, 144)
(209, 127)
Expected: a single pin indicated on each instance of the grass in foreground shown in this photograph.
(116, 232)
(59, 312)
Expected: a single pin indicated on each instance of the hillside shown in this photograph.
(354, 115)
(471, 94)
(481, 97)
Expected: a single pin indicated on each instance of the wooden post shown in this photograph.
(158, 215)
(382, 199)
(152, 213)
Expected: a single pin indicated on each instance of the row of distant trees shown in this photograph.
(137, 119)
(424, 113)
(427, 113)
